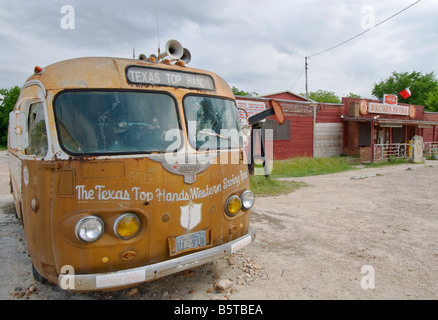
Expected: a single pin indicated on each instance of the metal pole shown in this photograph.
(372, 141)
(314, 130)
(305, 67)
(314, 109)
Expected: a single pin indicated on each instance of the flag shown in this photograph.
(406, 93)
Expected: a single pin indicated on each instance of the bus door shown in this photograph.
(35, 175)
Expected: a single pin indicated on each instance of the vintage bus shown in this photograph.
(127, 170)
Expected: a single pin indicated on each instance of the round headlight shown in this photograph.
(248, 199)
(126, 226)
(233, 205)
(90, 228)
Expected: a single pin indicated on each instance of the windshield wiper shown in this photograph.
(215, 134)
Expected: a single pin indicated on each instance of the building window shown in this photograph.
(398, 135)
(364, 134)
(280, 132)
(37, 131)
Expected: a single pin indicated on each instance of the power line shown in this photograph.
(352, 38)
(298, 78)
(363, 32)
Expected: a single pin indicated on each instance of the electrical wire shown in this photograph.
(298, 78)
(363, 32)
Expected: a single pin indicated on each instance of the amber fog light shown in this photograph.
(233, 205)
(126, 226)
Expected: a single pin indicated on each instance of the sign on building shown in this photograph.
(390, 99)
(249, 108)
(388, 109)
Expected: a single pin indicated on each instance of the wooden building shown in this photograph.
(376, 131)
(357, 127)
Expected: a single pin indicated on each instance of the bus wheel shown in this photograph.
(39, 278)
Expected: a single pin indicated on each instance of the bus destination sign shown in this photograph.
(169, 78)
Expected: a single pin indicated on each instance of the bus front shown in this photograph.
(151, 177)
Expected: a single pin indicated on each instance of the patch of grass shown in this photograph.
(389, 162)
(8, 208)
(262, 186)
(294, 167)
(302, 167)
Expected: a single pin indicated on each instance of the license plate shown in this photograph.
(190, 241)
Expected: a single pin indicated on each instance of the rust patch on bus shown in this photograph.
(93, 170)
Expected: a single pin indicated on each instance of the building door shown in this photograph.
(398, 135)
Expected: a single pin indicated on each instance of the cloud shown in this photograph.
(254, 45)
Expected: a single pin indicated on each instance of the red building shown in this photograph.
(375, 131)
(356, 127)
(286, 95)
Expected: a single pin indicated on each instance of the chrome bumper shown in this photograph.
(131, 277)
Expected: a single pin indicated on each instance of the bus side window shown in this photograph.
(37, 131)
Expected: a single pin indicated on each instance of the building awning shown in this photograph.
(394, 122)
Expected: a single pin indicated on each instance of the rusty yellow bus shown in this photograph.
(127, 170)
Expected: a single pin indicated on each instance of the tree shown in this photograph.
(421, 87)
(323, 96)
(8, 97)
(238, 92)
(432, 101)
(354, 95)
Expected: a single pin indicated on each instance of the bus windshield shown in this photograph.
(212, 122)
(105, 122)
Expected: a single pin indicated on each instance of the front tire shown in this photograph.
(36, 275)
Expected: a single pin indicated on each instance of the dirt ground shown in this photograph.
(361, 234)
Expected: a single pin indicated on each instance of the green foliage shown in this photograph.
(422, 88)
(262, 186)
(238, 92)
(353, 95)
(8, 97)
(295, 167)
(301, 166)
(432, 101)
(389, 162)
(323, 96)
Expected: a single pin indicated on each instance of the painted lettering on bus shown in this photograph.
(103, 193)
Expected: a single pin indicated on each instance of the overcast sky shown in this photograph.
(254, 45)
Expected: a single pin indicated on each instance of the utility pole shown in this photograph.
(305, 68)
(313, 104)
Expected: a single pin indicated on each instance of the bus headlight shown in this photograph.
(126, 226)
(247, 199)
(233, 205)
(90, 228)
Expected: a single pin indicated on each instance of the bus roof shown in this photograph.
(115, 73)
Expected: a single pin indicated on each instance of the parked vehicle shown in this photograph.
(127, 170)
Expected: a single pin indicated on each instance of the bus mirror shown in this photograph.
(18, 137)
(246, 130)
(245, 127)
(278, 111)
